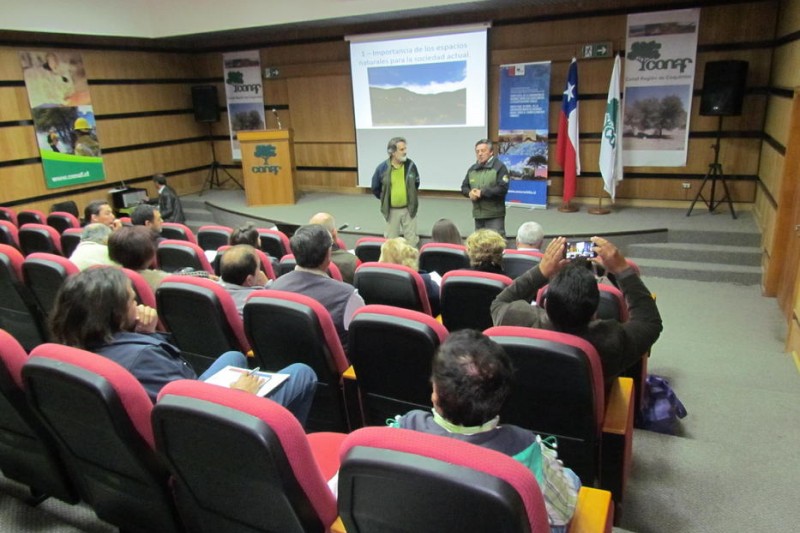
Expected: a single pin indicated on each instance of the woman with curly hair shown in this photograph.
(485, 250)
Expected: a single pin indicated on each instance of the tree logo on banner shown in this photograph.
(236, 80)
(649, 57)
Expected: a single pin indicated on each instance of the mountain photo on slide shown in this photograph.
(430, 94)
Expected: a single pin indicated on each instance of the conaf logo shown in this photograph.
(265, 152)
(236, 80)
(649, 57)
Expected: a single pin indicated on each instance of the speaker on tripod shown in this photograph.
(722, 96)
(205, 105)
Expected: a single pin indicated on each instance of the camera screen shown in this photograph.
(580, 249)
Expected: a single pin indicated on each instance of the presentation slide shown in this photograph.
(430, 89)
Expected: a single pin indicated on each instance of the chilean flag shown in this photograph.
(567, 153)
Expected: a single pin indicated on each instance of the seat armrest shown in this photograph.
(617, 444)
(338, 525)
(594, 512)
(619, 407)
(350, 373)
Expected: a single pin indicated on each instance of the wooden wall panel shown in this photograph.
(325, 154)
(139, 98)
(770, 170)
(18, 142)
(764, 213)
(109, 64)
(135, 164)
(21, 181)
(327, 52)
(786, 74)
(276, 92)
(779, 115)
(14, 104)
(322, 109)
(789, 19)
(10, 66)
(737, 23)
(142, 130)
(326, 180)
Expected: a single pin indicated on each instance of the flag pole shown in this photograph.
(599, 210)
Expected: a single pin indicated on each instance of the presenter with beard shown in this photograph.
(395, 183)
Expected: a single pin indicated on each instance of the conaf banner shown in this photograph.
(659, 76)
(62, 117)
(244, 93)
(523, 131)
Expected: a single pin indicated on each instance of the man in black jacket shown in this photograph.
(572, 300)
(169, 205)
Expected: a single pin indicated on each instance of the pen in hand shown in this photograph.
(253, 372)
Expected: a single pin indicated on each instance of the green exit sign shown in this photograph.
(595, 50)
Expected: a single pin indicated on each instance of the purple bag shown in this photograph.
(661, 408)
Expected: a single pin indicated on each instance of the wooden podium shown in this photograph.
(268, 166)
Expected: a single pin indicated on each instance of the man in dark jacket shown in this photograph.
(486, 184)
(572, 301)
(169, 205)
(395, 183)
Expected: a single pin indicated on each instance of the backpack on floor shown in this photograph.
(661, 408)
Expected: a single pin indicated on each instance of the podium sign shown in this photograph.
(268, 167)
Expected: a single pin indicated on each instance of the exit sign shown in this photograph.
(595, 50)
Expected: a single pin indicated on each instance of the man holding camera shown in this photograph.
(572, 301)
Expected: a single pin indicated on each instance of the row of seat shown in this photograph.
(205, 458)
(60, 220)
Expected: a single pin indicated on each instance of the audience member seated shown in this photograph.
(150, 217)
(98, 211)
(341, 258)
(93, 248)
(311, 246)
(133, 247)
(444, 230)
(485, 250)
(241, 274)
(530, 236)
(96, 310)
(247, 233)
(471, 381)
(572, 301)
(399, 252)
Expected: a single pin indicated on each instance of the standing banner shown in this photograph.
(523, 131)
(63, 117)
(610, 150)
(244, 94)
(659, 77)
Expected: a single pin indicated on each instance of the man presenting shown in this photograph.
(395, 183)
(486, 184)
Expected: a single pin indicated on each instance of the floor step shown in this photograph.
(696, 252)
(662, 268)
(726, 238)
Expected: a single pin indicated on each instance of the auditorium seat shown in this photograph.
(28, 453)
(274, 242)
(442, 257)
(517, 262)
(44, 274)
(368, 249)
(450, 485)
(67, 206)
(9, 234)
(211, 237)
(70, 239)
(19, 312)
(243, 463)
(285, 328)
(288, 262)
(30, 216)
(178, 232)
(202, 318)
(467, 295)
(391, 350)
(8, 214)
(61, 220)
(100, 416)
(173, 255)
(390, 284)
(39, 238)
(559, 391)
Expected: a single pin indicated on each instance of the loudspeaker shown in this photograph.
(723, 88)
(205, 104)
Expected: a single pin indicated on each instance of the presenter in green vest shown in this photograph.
(486, 184)
(395, 183)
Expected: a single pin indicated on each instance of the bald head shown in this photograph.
(327, 221)
(239, 265)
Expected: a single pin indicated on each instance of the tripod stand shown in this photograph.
(212, 179)
(714, 173)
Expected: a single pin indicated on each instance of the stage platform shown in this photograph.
(361, 214)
